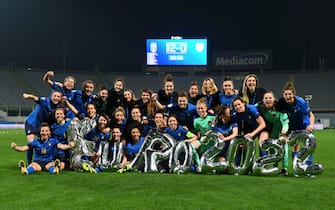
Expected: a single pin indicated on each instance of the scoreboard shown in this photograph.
(170, 52)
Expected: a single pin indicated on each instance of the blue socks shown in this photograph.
(310, 160)
(294, 154)
(51, 169)
(99, 169)
(30, 170)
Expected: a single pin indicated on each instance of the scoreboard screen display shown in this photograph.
(171, 52)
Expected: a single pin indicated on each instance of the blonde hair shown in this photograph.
(245, 88)
(214, 87)
(133, 97)
(202, 101)
(119, 109)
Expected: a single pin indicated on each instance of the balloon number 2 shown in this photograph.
(268, 164)
(300, 165)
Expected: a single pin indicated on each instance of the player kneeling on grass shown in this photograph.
(44, 151)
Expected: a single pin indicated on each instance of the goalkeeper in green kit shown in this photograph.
(277, 124)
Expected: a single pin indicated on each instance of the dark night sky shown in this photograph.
(111, 34)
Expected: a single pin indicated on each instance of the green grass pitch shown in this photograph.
(74, 190)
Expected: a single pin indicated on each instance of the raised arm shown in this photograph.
(156, 102)
(19, 148)
(30, 96)
(47, 78)
(71, 107)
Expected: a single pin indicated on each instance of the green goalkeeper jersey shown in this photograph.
(276, 121)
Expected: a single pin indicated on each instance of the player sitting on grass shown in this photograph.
(44, 151)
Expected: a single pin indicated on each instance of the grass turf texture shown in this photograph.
(74, 190)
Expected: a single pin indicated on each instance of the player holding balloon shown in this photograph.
(179, 133)
(250, 122)
(299, 114)
(277, 124)
(202, 125)
(59, 131)
(226, 128)
(132, 148)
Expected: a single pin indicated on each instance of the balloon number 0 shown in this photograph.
(240, 155)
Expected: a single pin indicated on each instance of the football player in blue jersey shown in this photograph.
(118, 118)
(59, 131)
(226, 128)
(179, 133)
(147, 103)
(250, 91)
(84, 97)
(115, 95)
(134, 143)
(228, 92)
(100, 101)
(210, 91)
(185, 112)
(100, 134)
(66, 88)
(248, 119)
(129, 101)
(250, 122)
(42, 113)
(167, 95)
(44, 151)
(299, 113)
(193, 93)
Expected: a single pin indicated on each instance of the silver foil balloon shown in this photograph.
(82, 147)
(207, 160)
(268, 164)
(111, 154)
(115, 158)
(208, 141)
(104, 151)
(182, 156)
(299, 162)
(157, 147)
(240, 155)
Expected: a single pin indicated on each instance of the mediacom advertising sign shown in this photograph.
(242, 59)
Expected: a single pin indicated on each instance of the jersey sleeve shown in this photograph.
(189, 134)
(284, 121)
(254, 111)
